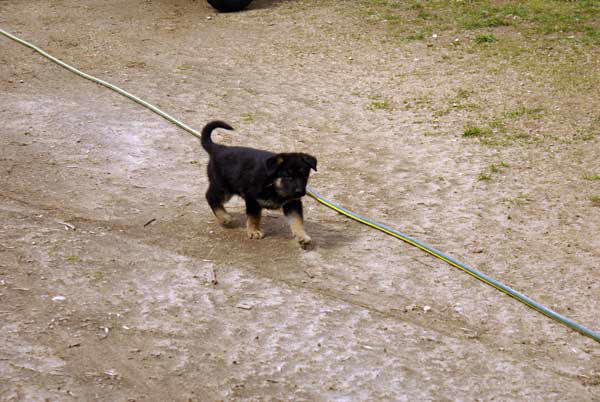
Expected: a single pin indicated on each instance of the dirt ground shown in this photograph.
(97, 305)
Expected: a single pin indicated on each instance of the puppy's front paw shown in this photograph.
(224, 218)
(226, 221)
(304, 240)
(255, 234)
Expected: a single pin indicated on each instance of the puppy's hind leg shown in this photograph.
(293, 213)
(253, 212)
(216, 199)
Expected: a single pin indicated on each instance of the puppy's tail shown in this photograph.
(207, 143)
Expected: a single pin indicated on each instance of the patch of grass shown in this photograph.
(484, 19)
(522, 136)
(524, 111)
(96, 276)
(492, 170)
(497, 135)
(584, 136)
(498, 168)
(416, 36)
(496, 142)
(485, 38)
(528, 16)
(497, 124)
(519, 200)
(463, 94)
(484, 177)
(433, 133)
(380, 104)
(507, 129)
(247, 118)
(595, 199)
(457, 102)
(592, 177)
(544, 48)
(72, 258)
(424, 15)
(474, 131)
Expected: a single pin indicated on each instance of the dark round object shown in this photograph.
(229, 5)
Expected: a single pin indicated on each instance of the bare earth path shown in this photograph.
(96, 306)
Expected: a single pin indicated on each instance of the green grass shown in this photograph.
(460, 101)
(595, 199)
(484, 177)
(519, 201)
(380, 104)
(485, 38)
(493, 169)
(532, 112)
(463, 93)
(474, 131)
(247, 118)
(582, 135)
(496, 134)
(537, 55)
(592, 177)
(528, 17)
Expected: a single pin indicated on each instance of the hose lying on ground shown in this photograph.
(438, 254)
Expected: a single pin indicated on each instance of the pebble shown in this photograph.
(245, 306)
(459, 309)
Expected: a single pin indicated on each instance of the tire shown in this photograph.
(229, 5)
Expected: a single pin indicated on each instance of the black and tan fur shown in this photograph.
(263, 179)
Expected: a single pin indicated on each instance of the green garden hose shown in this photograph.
(312, 193)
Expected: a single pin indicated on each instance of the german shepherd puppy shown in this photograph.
(263, 179)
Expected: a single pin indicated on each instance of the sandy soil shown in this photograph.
(94, 305)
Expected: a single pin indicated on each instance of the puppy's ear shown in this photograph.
(310, 161)
(273, 164)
